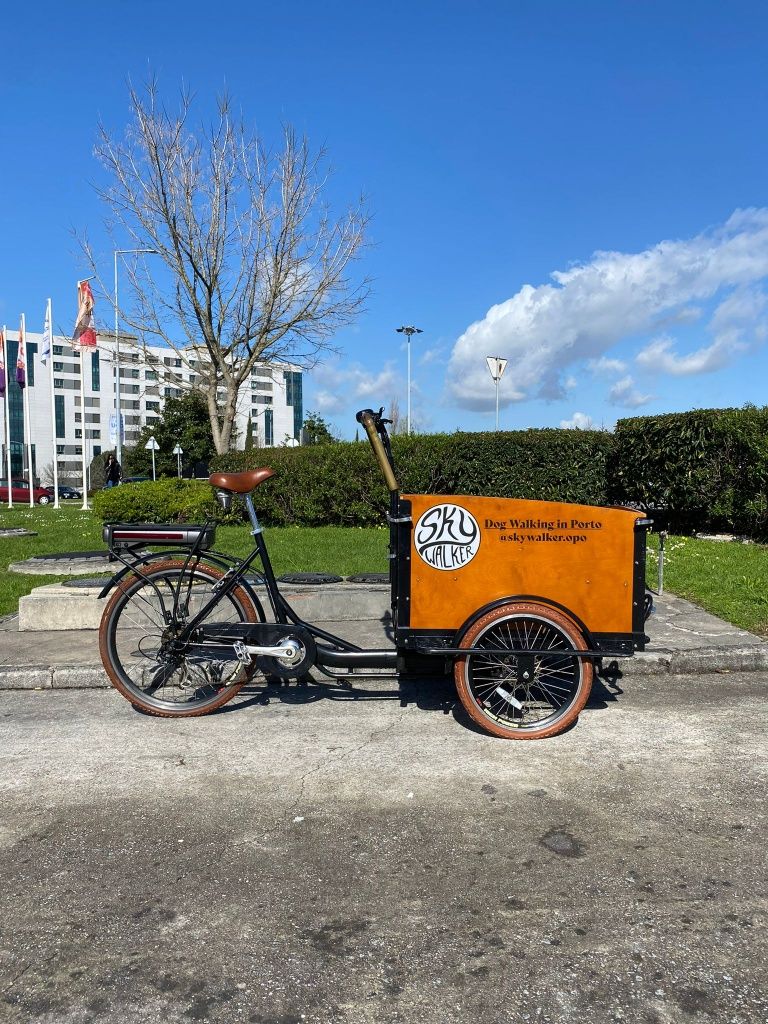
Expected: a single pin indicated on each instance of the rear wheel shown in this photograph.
(519, 695)
(136, 640)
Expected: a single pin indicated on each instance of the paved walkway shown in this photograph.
(684, 639)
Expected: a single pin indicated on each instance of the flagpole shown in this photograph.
(27, 424)
(82, 416)
(7, 418)
(84, 329)
(53, 413)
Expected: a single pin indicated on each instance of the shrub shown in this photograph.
(708, 467)
(341, 484)
(161, 501)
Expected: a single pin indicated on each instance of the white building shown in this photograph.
(273, 402)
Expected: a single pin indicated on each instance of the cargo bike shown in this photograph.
(519, 598)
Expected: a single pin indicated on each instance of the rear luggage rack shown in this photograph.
(125, 536)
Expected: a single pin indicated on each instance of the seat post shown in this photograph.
(252, 516)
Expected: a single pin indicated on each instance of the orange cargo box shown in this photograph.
(467, 552)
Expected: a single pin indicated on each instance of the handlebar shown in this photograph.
(376, 428)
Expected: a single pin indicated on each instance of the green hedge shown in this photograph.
(340, 484)
(161, 501)
(709, 467)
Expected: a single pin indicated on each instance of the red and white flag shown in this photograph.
(85, 332)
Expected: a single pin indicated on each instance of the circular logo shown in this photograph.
(446, 537)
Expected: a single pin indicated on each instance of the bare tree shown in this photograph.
(394, 415)
(258, 268)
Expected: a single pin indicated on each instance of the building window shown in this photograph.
(261, 399)
(78, 432)
(61, 429)
(95, 372)
(31, 353)
(60, 448)
(96, 450)
(150, 375)
(58, 350)
(58, 383)
(58, 367)
(293, 397)
(269, 436)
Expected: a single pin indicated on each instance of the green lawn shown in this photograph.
(338, 550)
(729, 580)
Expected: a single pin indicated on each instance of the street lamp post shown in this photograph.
(118, 413)
(496, 365)
(409, 332)
(153, 446)
(178, 451)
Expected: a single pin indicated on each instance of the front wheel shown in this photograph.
(43, 499)
(136, 640)
(518, 695)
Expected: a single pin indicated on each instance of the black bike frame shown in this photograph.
(342, 654)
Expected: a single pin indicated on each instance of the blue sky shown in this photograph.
(498, 144)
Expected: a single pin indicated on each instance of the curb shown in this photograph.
(57, 608)
(646, 664)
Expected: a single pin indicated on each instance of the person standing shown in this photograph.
(112, 472)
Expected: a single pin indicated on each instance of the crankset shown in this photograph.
(286, 651)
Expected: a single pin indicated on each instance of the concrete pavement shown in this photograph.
(684, 638)
(315, 856)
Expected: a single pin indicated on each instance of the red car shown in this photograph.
(20, 493)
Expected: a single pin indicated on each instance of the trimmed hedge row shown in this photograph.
(161, 501)
(708, 468)
(340, 484)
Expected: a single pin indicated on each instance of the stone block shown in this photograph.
(80, 677)
(33, 677)
(55, 607)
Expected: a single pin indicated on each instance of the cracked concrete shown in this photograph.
(326, 855)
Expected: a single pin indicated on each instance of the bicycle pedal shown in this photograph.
(242, 652)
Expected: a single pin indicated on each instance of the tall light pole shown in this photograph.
(409, 332)
(118, 413)
(497, 366)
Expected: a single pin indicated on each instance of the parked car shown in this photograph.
(20, 492)
(137, 479)
(65, 491)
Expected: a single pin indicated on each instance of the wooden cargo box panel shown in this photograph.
(467, 552)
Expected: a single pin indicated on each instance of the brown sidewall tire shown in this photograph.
(228, 692)
(563, 623)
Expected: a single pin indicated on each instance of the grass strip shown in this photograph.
(728, 579)
(331, 549)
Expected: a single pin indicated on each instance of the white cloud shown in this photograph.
(606, 366)
(431, 355)
(327, 402)
(735, 323)
(339, 387)
(579, 421)
(591, 307)
(659, 357)
(624, 393)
